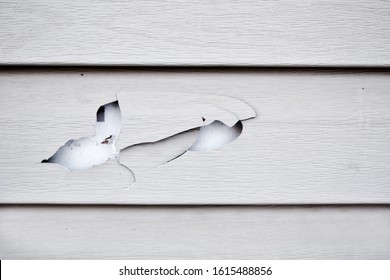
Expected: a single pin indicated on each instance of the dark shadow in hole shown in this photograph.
(100, 114)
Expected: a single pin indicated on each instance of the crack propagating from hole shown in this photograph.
(86, 152)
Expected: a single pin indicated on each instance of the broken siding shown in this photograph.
(319, 137)
(265, 33)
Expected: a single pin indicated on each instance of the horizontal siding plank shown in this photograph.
(263, 33)
(319, 138)
(194, 233)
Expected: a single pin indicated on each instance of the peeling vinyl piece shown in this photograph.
(86, 152)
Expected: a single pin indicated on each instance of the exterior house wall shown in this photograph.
(308, 178)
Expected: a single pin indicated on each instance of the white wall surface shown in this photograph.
(196, 32)
(194, 232)
(321, 137)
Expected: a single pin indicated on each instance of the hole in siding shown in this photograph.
(86, 152)
(215, 135)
